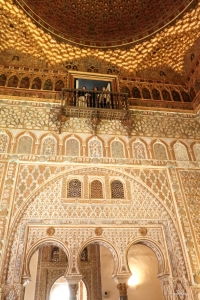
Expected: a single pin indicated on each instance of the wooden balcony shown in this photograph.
(94, 105)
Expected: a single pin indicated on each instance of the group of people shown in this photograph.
(101, 99)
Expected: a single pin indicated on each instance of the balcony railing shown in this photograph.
(95, 106)
(94, 99)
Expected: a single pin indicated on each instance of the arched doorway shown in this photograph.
(97, 267)
(143, 264)
(60, 290)
(47, 265)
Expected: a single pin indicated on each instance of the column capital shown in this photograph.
(164, 277)
(122, 278)
(25, 280)
(73, 278)
(122, 287)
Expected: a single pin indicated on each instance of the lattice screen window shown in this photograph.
(117, 189)
(84, 254)
(117, 149)
(55, 254)
(160, 151)
(72, 147)
(74, 189)
(24, 145)
(96, 189)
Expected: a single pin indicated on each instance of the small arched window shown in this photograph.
(166, 95)
(185, 96)
(25, 83)
(24, 145)
(160, 151)
(74, 189)
(72, 147)
(48, 85)
(146, 93)
(96, 189)
(13, 81)
(55, 254)
(125, 89)
(59, 85)
(117, 189)
(156, 94)
(136, 92)
(49, 146)
(117, 149)
(36, 84)
(176, 96)
(2, 80)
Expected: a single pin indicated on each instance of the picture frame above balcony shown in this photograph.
(78, 79)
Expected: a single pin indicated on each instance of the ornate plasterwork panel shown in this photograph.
(31, 176)
(25, 144)
(190, 182)
(72, 147)
(139, 151)
(95, 148)
(149, 203)
(143, 205)
(160, 151)
(2, 166)
(117, 149)
(3, 142)
(197, 151)
(49, 146)
(180, 152)
(40, 116)
(185, 220)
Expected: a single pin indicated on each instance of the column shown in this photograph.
(24, 282)
(122, 284)
(167, 287)
(73, 288)
(122, 287)
(73, 281)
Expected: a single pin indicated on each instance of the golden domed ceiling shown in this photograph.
(104, 23)
(168, 55)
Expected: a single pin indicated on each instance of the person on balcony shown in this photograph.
(104, 101)
(82, 97)
(108, 102)
(102, 98)
(94, 100)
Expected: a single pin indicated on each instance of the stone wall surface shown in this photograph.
(155, 172)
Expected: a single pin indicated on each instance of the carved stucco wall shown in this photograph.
(157, 193)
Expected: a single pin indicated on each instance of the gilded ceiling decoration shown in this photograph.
(165, 51)
(104, 23)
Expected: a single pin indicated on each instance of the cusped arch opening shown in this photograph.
(144, 266)
(50, 242)
(156, 249)
(102, 243)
